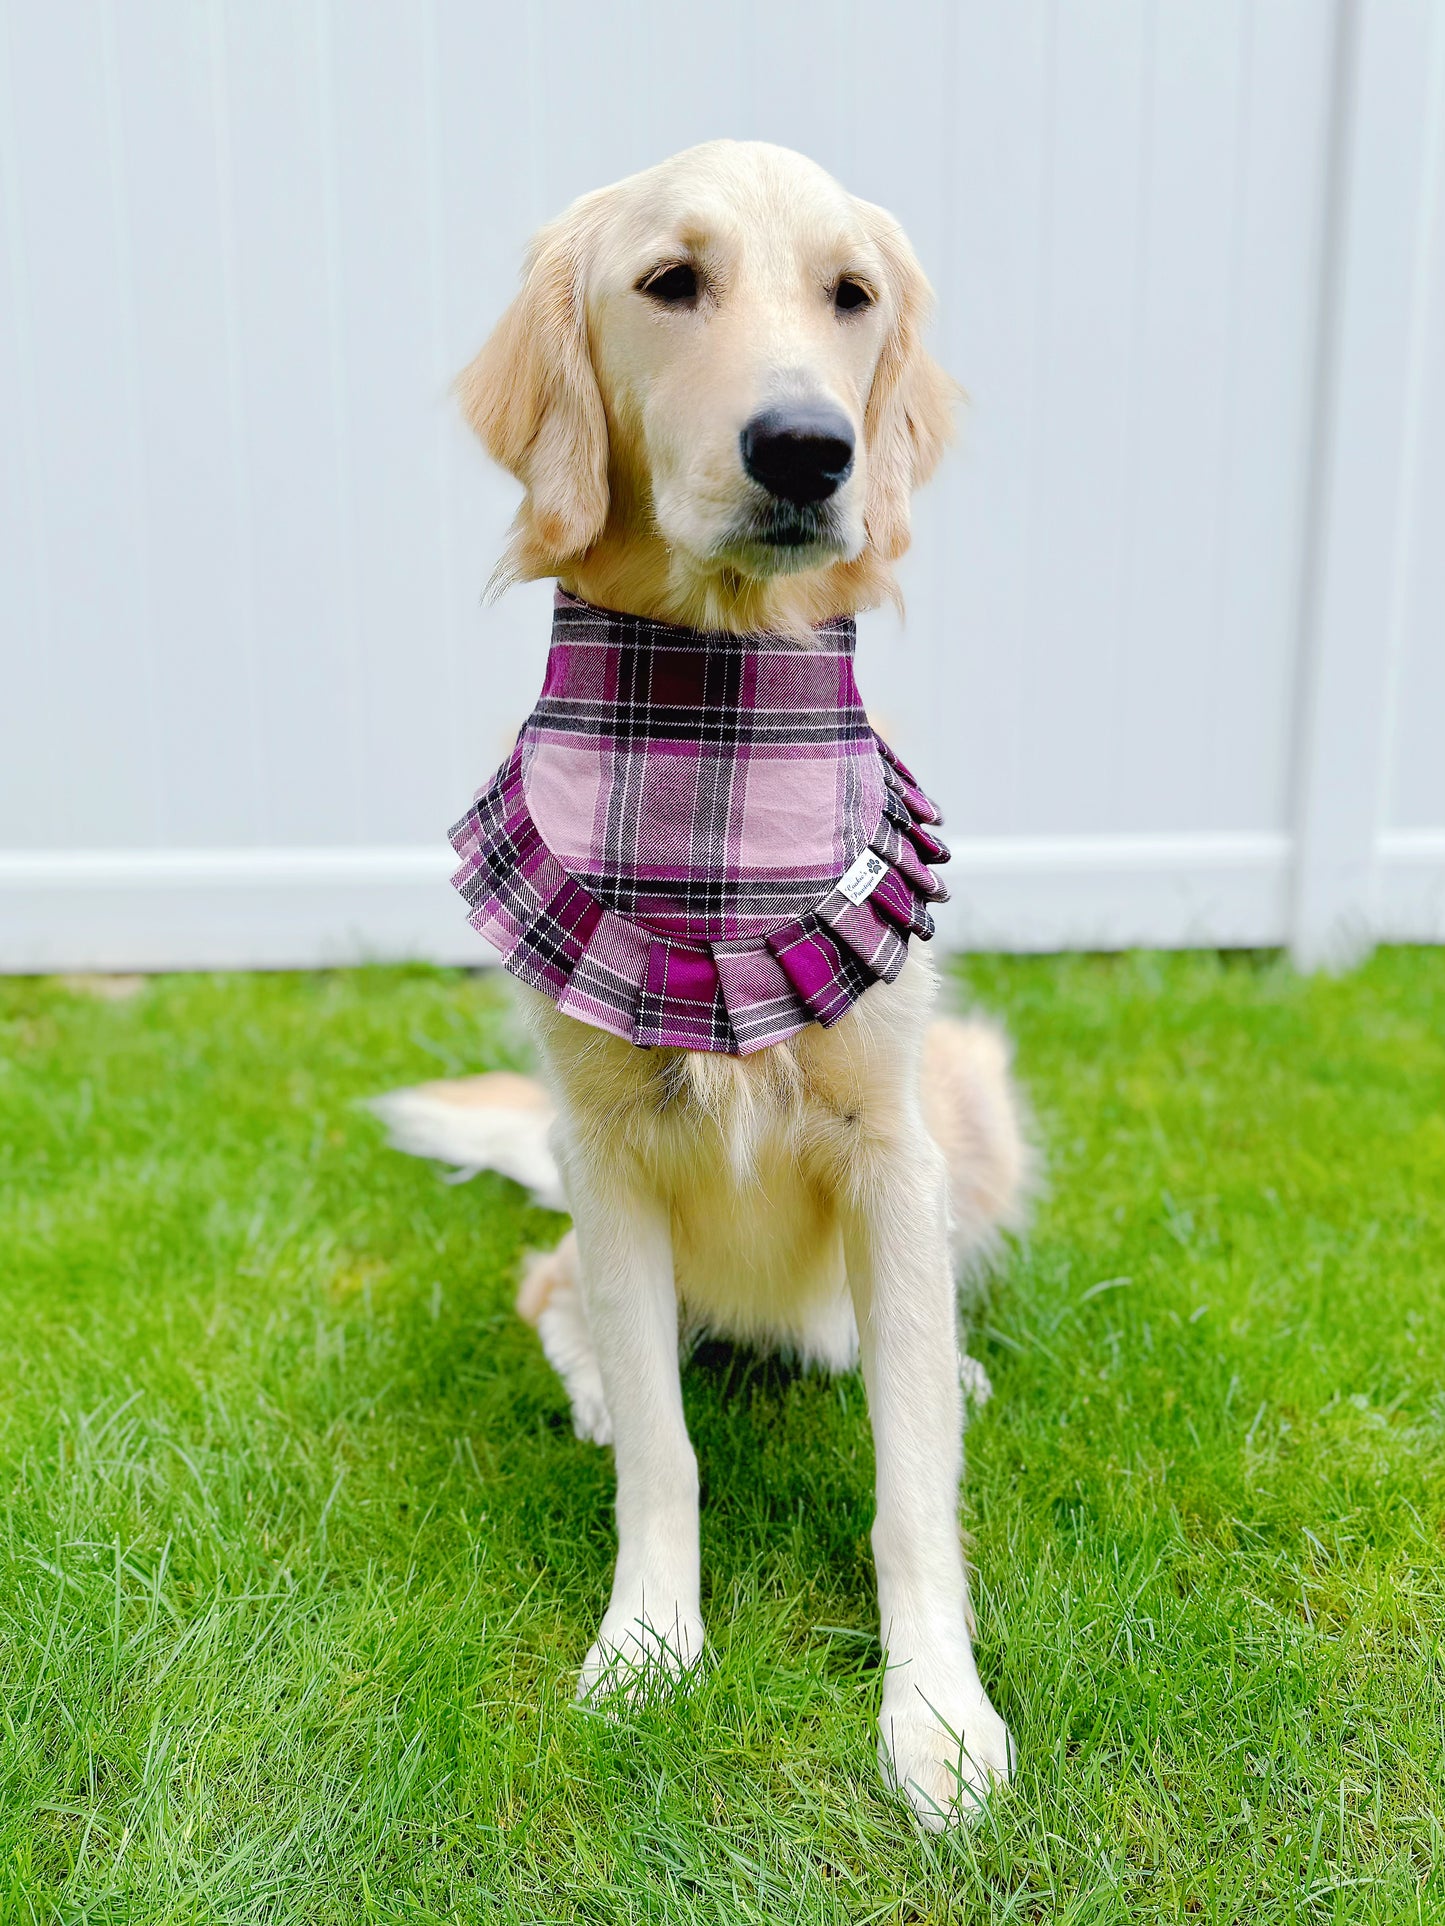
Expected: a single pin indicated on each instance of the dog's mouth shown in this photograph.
(789, 525)
(780, 537)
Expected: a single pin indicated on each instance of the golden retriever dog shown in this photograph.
(684, 341)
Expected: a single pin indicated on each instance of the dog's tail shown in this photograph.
(496, 1122)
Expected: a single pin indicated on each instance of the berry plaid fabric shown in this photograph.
(699, 840)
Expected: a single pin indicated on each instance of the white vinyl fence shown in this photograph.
(1175, 648)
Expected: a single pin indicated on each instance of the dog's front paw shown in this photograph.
(945, 1754)
(641, 1653)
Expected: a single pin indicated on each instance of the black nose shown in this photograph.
(800, 453)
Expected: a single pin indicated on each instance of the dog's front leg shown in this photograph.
(652, 1630)
(942, 1742)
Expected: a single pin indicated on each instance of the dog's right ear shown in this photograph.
(532, 396)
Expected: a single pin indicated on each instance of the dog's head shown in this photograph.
(722, 358)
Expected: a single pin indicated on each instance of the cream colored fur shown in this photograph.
(814, 1196)
(622, 422)
(764, 1144)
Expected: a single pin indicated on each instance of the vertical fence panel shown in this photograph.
(287, 450)
(82, 762)
(1392, 97)
(1411, 848)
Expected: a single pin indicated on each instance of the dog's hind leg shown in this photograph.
(551, 1300)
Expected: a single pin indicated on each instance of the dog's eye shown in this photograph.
(672, 286)
(849, 295)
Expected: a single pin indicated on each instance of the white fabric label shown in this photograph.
(859, 882)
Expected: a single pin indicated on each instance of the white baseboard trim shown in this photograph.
(1410, 885)
(213, 909)
(305, 908)
(1117, 892)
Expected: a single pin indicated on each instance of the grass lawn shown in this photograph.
(299, 1553)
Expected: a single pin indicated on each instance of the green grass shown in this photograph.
(300, 1555)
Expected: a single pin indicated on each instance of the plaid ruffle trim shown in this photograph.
(732, 997)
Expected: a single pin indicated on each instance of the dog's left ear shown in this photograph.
(532, 396)
(909, 418)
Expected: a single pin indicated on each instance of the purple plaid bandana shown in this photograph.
(699, 840)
